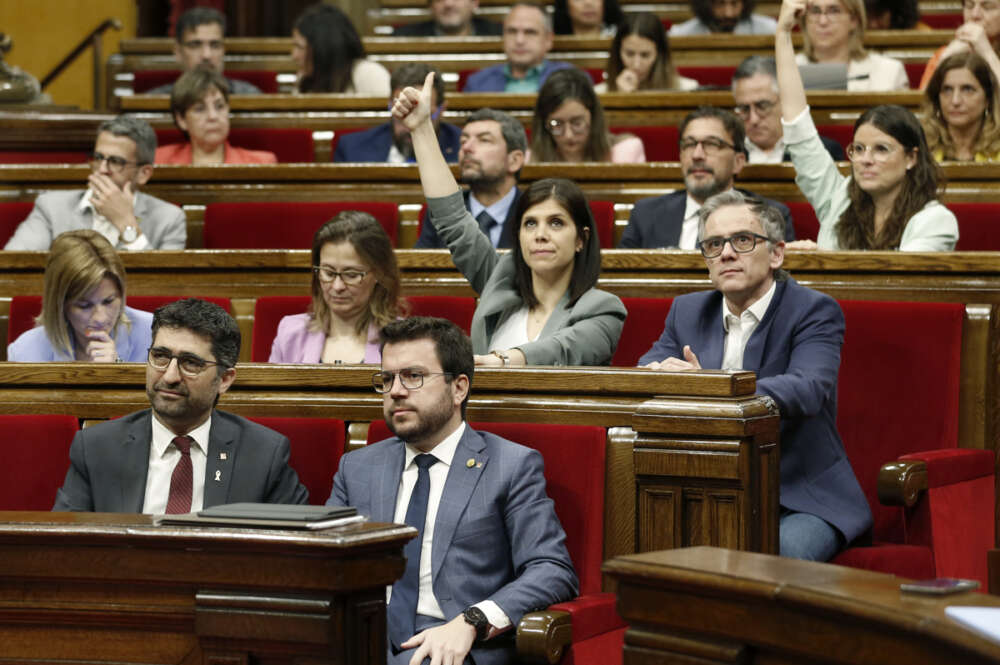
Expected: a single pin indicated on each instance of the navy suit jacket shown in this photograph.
(372, 145)
(795, 351)
(109, 463)
(480, 27)
(656, 222)
(492, 79)
(429, 238)
(496, 534)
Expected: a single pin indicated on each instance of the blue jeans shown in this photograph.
(805, 536)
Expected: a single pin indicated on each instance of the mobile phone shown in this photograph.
(939, 586)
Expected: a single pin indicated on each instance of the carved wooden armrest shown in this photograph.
(901, 482)
(543, 636)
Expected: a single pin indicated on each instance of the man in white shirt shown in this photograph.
(112, 204)
(760, 319)
(490, 546)
(712, 155)
(182, 455)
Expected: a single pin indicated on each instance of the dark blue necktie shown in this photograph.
(486, 223)
(402, 610)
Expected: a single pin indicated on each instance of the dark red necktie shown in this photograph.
(182, 480)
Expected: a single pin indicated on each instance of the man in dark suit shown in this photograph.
(493, 146)
(182, 455)
(490, 546)
(760, 319)
(755, 89)
(712, 155)
(452, 18)
(391, 142)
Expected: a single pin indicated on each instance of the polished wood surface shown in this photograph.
(710, 605)
(108, 588)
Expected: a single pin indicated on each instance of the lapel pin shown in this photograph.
(471, 463)
(223, 456)
(218, 476)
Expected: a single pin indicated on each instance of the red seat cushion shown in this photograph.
(283, 225)
(144, 80)
(288, 145)
(35, 459)
(716, 75)
(942, 21)
(977, 226)
(12, 213)
(804, 219)
(643, 327)
(912, 561)
(842, 134)
(316, 447)
(44, 156)
(914, 72)
(660, 143)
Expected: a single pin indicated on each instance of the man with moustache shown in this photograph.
(182, 455)
(735, 16)
(452, 18)
(760, 319)
(712, 154)
(490, 546)
(391, 142)
(112, 204)
(493, 146)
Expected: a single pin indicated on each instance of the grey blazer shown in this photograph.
(584, 334)
(109, 464)
(496, 534)
(57, 211)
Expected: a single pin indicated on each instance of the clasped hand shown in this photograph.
(447, 644)
(100, 347)
(110, 202)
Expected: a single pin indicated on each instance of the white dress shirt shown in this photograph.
(689, 228)
(739, 328)
(104, 226)
(427, 604)
(757, 155)
(163, 457)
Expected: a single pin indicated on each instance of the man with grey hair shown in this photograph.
(755, 89)
(760, 319)
(112, 204)
(391, 142)
(489, 162)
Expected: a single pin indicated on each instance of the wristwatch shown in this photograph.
(476, 618)
(503, 356)
(129, 234)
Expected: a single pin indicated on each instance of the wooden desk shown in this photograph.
(115, 589)
(710, 605)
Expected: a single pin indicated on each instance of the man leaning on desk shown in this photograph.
(181, 455)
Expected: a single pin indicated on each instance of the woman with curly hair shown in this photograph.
(962, 110)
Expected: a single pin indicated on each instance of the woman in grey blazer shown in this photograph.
(537, 304)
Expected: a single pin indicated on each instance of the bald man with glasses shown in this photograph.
(182, 454)
(112, 204)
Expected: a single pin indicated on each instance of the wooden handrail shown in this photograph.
(93, 39)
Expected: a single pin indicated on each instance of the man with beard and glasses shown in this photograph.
(735, 16)
(490, 546)
(391, 142)
(712, 154)
(451, 18)
(182, 455)
(493, 146)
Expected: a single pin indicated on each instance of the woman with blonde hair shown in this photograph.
(355, 291)
(961, 112)
(84, 316)
(833, 31)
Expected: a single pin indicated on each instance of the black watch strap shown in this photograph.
(476, 618)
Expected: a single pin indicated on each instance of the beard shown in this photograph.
(702, 190)
(478, 179)
(404, 144)
(421, 424)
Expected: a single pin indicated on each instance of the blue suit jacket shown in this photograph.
(656, 222)
(496, 534)
(795, 351)
(372, 145)
(492, 79)
(429, 238)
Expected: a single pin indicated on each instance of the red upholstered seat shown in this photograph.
(715, 75)
(804, 219)
(842, 134)
(660, 143)
(915, 72)
(898, 398)
(269, 310)
(942, 21)
(12, 213)
(574, 474)
(153, 78)
(36, 457)
(643, 327)
(283, 224)
(977, 226)
(24, 309)
(288, 145)
(316, 447)
(44, 156)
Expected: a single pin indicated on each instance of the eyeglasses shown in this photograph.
(833, 12)
(115, 163)
(411, 379)
(189, 364)
(577, 125)
(740, 242)
(762, 107)
(711, 145)
(880, 152)
(348, 277)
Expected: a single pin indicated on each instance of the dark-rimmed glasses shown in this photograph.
(189, 364)
(762, 107)
(115, 163)
(411, 379)
(741, 243)
(711, 145)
